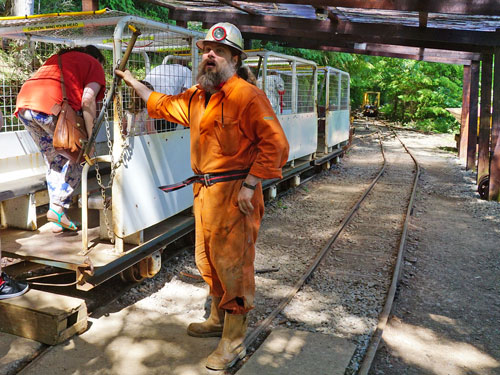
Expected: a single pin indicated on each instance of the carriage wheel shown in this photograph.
(132, 274)
(483, 187)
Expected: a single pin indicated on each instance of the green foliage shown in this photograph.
(52, 6)
(134, 7)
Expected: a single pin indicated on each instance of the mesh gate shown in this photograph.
(289, 81)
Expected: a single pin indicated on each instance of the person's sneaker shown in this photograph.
(10, 288)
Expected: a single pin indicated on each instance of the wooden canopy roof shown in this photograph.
(450, 31)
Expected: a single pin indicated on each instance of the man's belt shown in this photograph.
(207, 179)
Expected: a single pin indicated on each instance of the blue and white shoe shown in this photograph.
(11, 288)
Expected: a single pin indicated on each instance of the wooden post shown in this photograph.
(494, 191)
(472, 136)
(483, 165)
(90, 5)
(464, 123)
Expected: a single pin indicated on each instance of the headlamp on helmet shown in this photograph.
(224, 33)
(219, 33)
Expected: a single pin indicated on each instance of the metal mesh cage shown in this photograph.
(289, 81)
(162, 55)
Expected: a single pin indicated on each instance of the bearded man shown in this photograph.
(236, 142)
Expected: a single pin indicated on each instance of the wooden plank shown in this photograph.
(42, 316)
(413, 54)
(90, 5)
(494, 193)
(473, 109)
(464, 123)
(485, 7)
(422, 19)
(483, 164)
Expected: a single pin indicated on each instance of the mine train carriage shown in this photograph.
(128, 221)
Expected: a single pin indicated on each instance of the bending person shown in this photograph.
(235, 132)
(37, 108)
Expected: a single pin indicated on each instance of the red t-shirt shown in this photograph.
(43, 89)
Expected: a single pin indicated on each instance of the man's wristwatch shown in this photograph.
(248, 186)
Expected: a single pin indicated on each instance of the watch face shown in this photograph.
(219, 33)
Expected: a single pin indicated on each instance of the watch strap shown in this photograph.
(248, 186)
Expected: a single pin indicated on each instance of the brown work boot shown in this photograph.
(212, 327)
(231, 347)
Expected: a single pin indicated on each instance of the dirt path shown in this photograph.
(447, 312)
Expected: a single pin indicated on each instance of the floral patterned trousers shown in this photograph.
(63, 176)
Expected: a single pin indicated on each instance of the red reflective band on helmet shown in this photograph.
(217, 30)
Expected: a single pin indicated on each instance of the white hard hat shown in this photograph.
(224, 33)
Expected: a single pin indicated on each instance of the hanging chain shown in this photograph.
(114, 166)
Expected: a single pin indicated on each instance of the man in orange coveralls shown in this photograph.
(235, 136)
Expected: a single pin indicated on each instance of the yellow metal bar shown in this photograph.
(26, 17)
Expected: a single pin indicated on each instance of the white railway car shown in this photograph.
(127, 230)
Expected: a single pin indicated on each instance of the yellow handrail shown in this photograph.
(27, 17)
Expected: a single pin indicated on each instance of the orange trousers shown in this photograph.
(225, 243)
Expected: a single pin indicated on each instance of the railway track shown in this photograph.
(350, 258)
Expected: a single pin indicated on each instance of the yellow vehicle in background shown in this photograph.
(371, 103)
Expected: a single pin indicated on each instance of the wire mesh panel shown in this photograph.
(333, 91)
(290, 85)
(18, 60)
(305, 88)
(344, 91)
(289, 81)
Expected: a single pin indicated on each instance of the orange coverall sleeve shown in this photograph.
(170, 107)
(268, 135)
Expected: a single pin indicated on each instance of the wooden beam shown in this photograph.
(495, 137)
(243, 8)
(483, 163)
(422, 19)
(422, 52)
(90, 5)
(464, 123)
(484, 7)
(439, 56)
(472, 136)
(181, 24)
(460, 40)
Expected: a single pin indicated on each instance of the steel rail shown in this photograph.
(298, 285)
(384, 316)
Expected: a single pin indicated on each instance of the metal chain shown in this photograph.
(114, 167)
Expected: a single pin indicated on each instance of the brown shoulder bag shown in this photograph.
(70, 132)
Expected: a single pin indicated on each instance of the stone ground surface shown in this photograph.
(446, 311)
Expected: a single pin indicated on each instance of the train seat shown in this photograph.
(22, 180)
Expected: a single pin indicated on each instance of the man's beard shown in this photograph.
(210, 81)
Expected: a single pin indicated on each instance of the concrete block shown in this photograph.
(289, 352)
